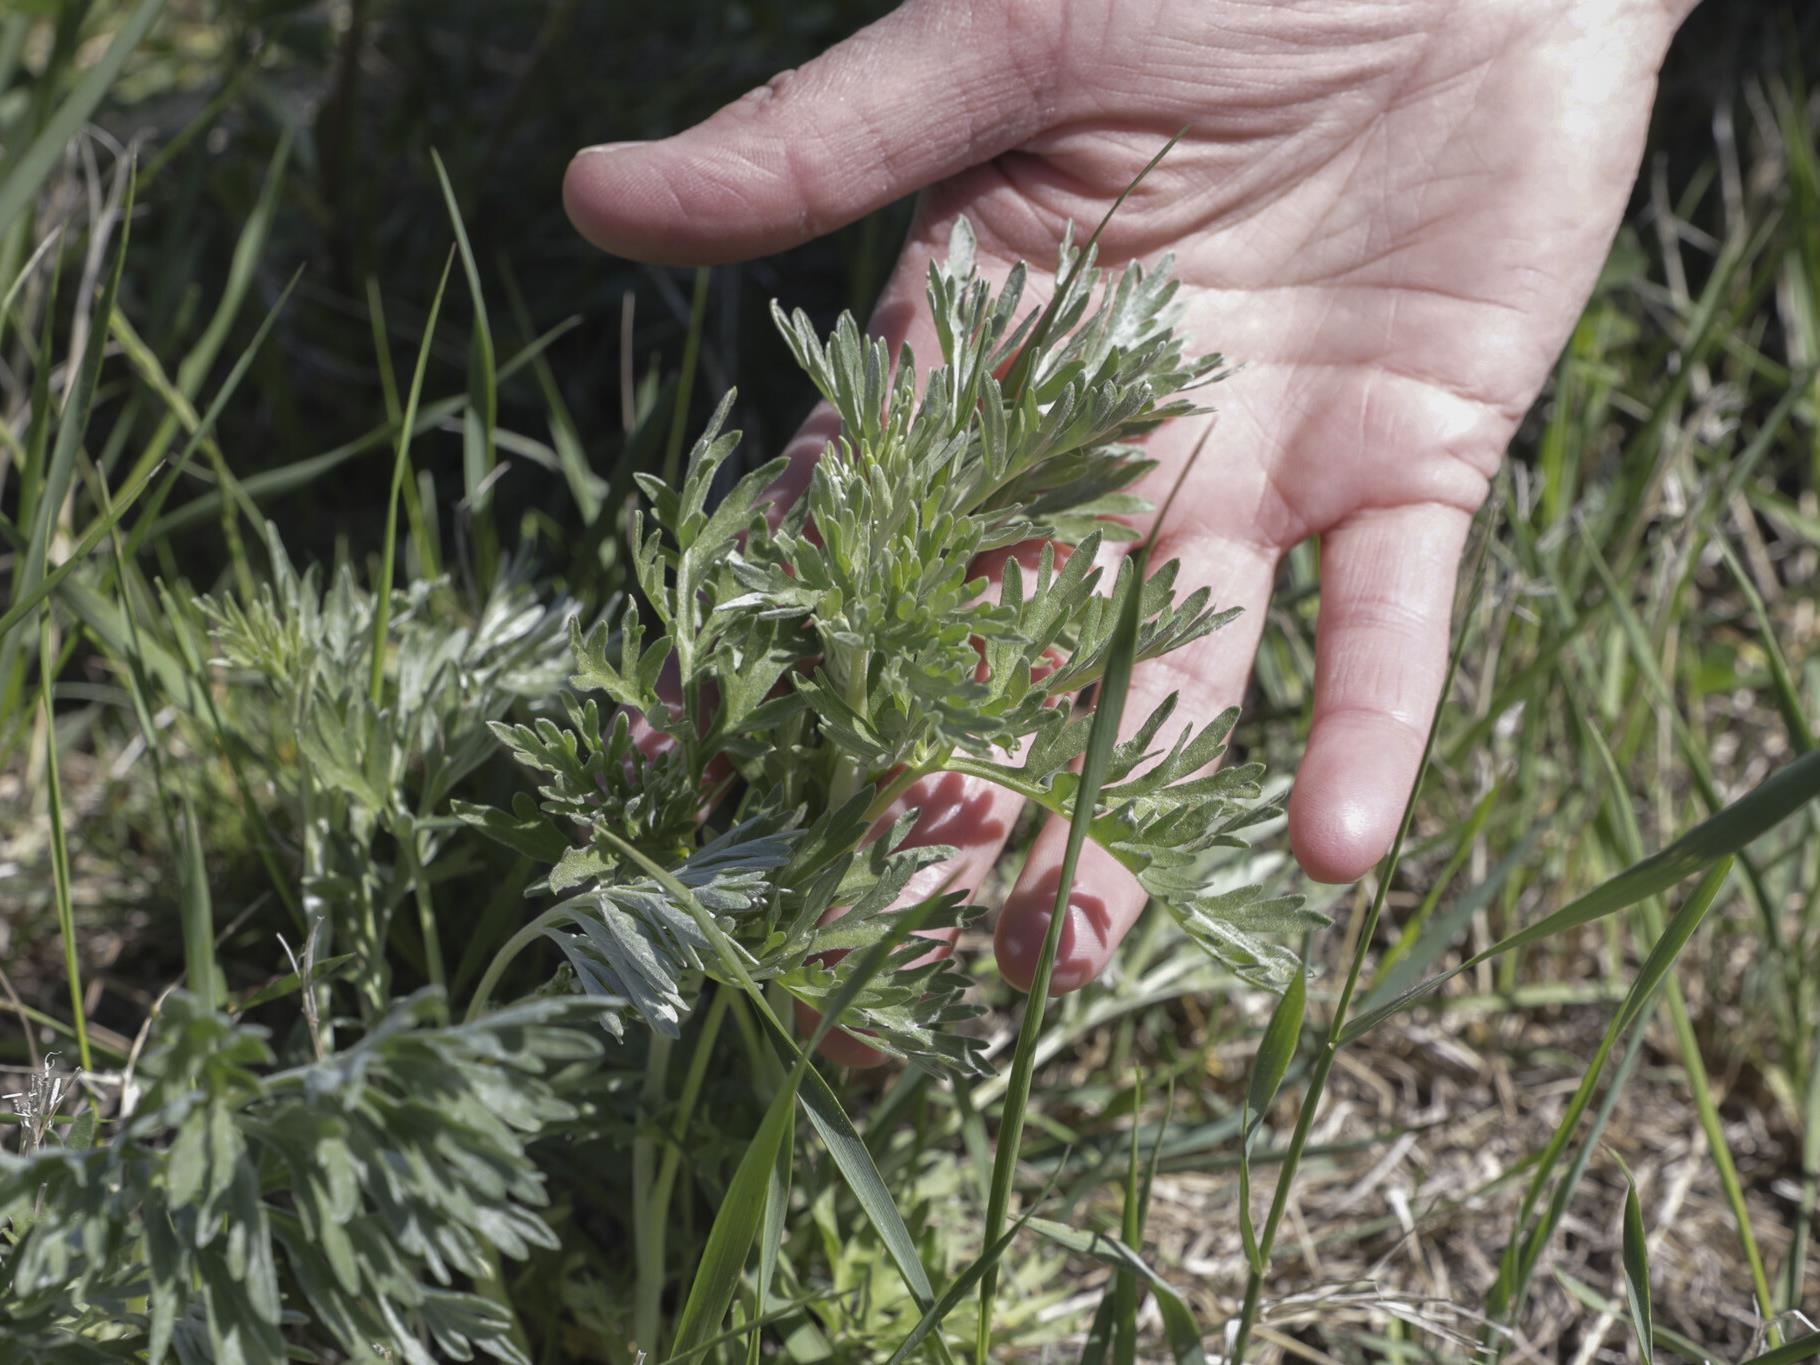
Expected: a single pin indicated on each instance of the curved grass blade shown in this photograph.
(742, 1208)
(1801, 1348)
(480, 419)
(1636, 1272)
(1526, 1245)
(744, 1204)
(1752, 815)
(401, 468)
(1178, 1322)
(24, 176)
(1787, 694)
(275, 483)
(777, 1314)
(1131, 1229)
(200, 974)
(60, 855)
(685, 379)
(1022, 368)
(204, 428)
(962, 1286)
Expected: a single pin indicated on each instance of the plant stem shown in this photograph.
(1694, 1066)
(426, 921)
(503, 959)
(60, 855)
(906, 778)
(1330, 1045)
(647, 1215)
(655, 1211)
(685, 380)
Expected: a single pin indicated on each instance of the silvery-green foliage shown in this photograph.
(347, 770)
(355, 1194)
(801, 667)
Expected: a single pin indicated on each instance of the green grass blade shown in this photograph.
(1693, 1063)
(24, 176)
(770, 1245)
(1282, 1035)
(304, 473)
(861, 1173)
(51, 239)
(1023, 367)
(742, 1209)
(743, 1206)
(777, 1314)
(423, 539)
(565, 439)
(60, 854)
(830, 1121)
(1752, 815)
(1801, 1348)
(1109, 706)
(1111, 1311)
(29, 599)
(205, 426)
(1782, 682)
(1178, 1321)
(1794, 1271)
(868, 965)
(963, 1285)
(401, 469)
(480, 419)
(198, 917)
(72, 425)
(1124, 1283)
(1412, 927)
(1446, 927)
(243, 268)
(1636, 1273)
(1527, 1243)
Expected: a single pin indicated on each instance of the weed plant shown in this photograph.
(476, 880)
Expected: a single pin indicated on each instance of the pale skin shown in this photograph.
(1390, 213)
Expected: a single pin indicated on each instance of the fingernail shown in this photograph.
(606, 148)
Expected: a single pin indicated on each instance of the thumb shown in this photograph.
(929, 90)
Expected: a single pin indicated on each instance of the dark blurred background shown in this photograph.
(506, 91)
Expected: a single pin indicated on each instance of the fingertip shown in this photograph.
(1348, 799)
(843, 1049)
(581, 192)
(608, 202)
(1082, 952)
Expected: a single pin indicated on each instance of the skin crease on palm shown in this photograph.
(1390, 214)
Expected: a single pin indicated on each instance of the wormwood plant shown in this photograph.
(803, 668)
(339, 1185)
(364, 783)
(347, 1185)
(235, 1204)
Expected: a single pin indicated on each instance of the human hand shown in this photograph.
(1391, 214)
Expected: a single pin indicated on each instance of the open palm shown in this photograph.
(1389, 213)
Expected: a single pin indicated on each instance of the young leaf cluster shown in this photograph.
(785, 674)
(355, 775)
